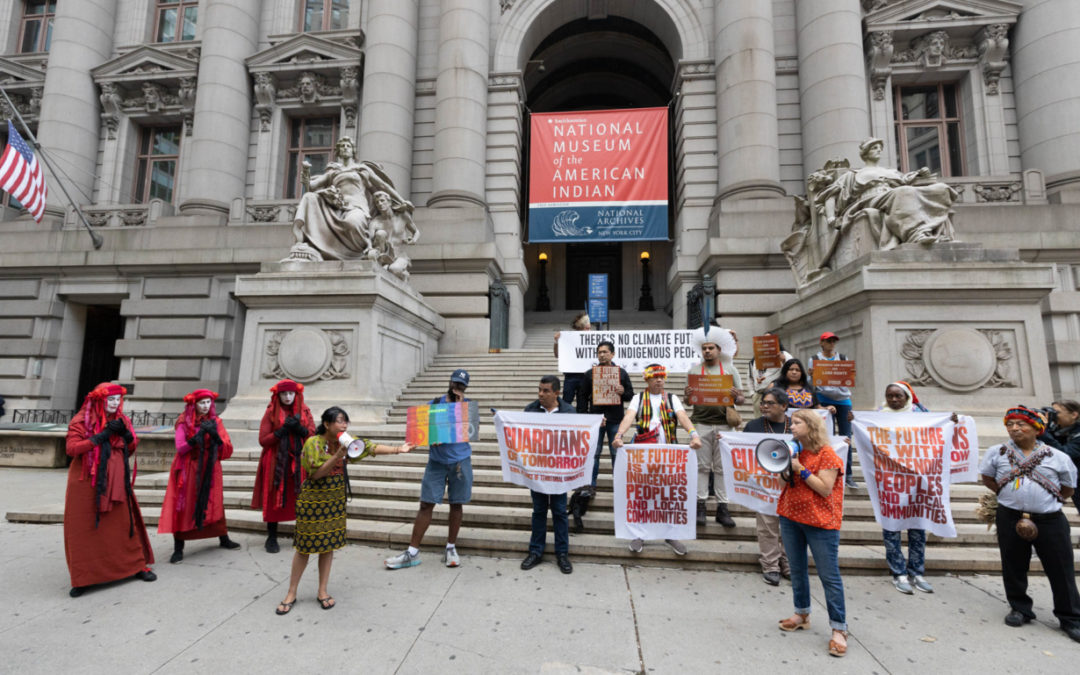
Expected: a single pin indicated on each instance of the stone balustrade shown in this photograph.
(268, 211)
(1027, 189)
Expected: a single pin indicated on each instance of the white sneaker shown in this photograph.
(901, 584)
(919, 582)
(401, 560)
(450, 557)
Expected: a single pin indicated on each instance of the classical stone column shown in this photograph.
(386, 119)
(70, 120)
(217, 151)
(832, 80)
(747, 131)
(1045, 66)
(461, 92)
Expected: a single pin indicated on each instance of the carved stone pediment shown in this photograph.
(24, 84)
(148, 83)
(308, 70)
(913, 36)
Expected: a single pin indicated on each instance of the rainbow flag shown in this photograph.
(442, 423)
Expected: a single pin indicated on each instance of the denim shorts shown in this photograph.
(455, 479)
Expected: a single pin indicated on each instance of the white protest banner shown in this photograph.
(749, 485)
(552, 454)
(906, 460)
(634, 349)
(965, 451)
(655, 492)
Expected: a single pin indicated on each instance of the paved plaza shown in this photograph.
(214, 612)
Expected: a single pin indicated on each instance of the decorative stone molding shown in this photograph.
(1001, 190)
(306, 354)
(505, 6)
(993, 44)
(959, 358)
(934, 34)
(308, 72)
(148, 84)
(996, 192)
(879, 55)
(262, 211)
(120, 215)
(24, 85)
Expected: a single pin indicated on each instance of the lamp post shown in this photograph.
(645, 303)
(543, 302)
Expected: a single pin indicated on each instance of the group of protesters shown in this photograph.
(302, 477)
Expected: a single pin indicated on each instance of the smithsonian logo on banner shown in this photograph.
(598, 175)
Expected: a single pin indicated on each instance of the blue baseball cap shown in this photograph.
(460, 376)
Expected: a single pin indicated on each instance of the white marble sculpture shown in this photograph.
(849, 212)
(351, 211)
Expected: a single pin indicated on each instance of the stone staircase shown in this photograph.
(386, 489)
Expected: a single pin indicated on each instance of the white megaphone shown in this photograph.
(774, 455)
(354, 448)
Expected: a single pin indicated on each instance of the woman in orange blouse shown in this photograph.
(810, 509)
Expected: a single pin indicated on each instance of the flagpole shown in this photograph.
(95, 238)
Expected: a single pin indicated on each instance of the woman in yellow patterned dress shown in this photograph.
(320, 506)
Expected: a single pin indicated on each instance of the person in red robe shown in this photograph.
(104, 535)
(285, 425)
(194, 506)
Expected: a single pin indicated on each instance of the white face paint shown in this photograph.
(202, 406)
(287, 397)
(112, 403)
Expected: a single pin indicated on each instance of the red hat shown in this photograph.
(200, 394)
(828, 336)
(287, 385)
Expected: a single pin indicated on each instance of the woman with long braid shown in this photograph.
(194, 506)
(104, 535)
(286, 423)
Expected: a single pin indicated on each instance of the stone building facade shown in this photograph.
(178, 127)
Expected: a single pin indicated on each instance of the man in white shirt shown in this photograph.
(659, 413)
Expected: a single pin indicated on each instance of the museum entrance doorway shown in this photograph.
(599, 62)
(99, 362)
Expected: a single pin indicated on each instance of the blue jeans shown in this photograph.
(916, 547)
(825, 546)
(541, 504)
(608, 429)
(843, 428)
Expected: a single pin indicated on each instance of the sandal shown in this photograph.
(287, 605)
(327, 602)
(835, 648)
(795, 622)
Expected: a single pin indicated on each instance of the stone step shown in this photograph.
(722, 552)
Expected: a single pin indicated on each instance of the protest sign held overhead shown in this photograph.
(906, 461)
(552, 454)
(634, 349)
(655, 492)
(746, 483)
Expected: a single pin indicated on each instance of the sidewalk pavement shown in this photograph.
(214, 612)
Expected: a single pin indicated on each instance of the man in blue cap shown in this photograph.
(449, 471)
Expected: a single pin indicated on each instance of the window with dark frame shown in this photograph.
(176, 20)
(311, 139)
(318, 15)
(35, 33)
(928, 129)
(159, 154)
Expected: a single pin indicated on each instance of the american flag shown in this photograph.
(21, 176)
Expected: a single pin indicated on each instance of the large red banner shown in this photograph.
(599, 175)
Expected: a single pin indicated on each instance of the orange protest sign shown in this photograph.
(834, 373)
(767, 352)
(605, 380)
(710, 389)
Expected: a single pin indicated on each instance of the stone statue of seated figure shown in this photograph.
(333, 218)
(848, 212)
